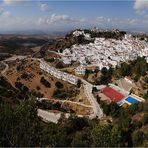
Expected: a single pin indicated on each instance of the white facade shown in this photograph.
(80, 70)
(106, 52)
(58, 74)
(78, 33)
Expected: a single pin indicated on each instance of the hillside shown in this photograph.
(20, 45)
(84, 100)
(25, 75)
(70, 39)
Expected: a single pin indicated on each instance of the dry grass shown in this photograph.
(31, 67)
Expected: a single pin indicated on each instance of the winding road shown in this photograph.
(7, 66)
(97, 111)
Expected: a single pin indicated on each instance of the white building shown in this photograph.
(80, 70)
(58, 74)
(106, 52)
(78, 33)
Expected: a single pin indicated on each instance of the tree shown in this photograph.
(38, 88)
(145, 119)
(126, 69)
(50, 60)
(98, 98)
(114, 109)
(116, 134)
(140, 66)
(145, 96)
(137, 138)
(81, 139)
(96, 70)
(19, 126)
(45, 82)
(80, 39)
(104, 79)
(59, 85)
(94, 89)
(101, 136)
(104, 71)
(79, 83)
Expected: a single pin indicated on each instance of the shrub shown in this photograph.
(61, 94)
(146, 79)
(45, 82)
(50, 60)
(145, 96)
(79, 83)
(145, 119)
(38, 88)
(24, 76)
(59, 84)
(20, 67)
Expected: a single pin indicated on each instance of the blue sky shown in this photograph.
(66, 15)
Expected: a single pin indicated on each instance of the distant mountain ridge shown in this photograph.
(35, 32)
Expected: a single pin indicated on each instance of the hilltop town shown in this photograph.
(94, 74)
(90, 51)
(105, 52)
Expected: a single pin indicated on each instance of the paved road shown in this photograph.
(97, 111)
(6, 68)
(4, 71)
(14, 58)
(10, 59)
(49, 116)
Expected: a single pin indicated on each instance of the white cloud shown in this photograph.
(1, 11)
(82, 20)
(102, 20)
(59, 19)
(13, 2)
(118, 22)
(141, 4)
(41, 21)
(44, 7)
(133, 21)
(4, 13)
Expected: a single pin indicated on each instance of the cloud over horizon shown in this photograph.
(4, 13)
(44, 7)
(62, 18)
(141, 6)
(44, 15)
(13, 2)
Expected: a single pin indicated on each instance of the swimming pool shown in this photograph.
(131, 100)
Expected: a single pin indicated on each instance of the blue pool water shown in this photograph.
(131, 100)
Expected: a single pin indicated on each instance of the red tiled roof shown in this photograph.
(112, 94)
